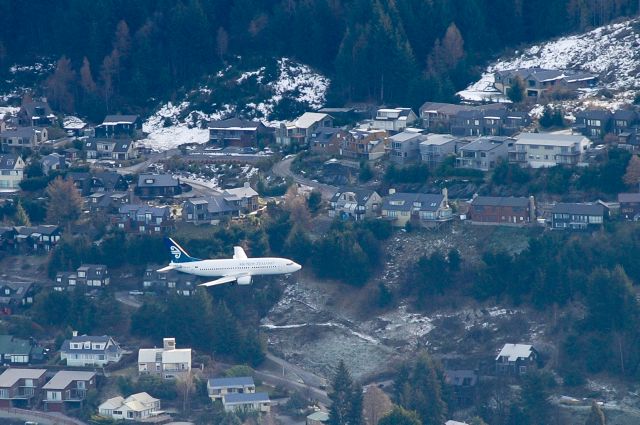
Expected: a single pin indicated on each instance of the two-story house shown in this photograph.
(537, 150)
(516, 359)
(21, 387)
(494, 210)
(298, 132)
(625, 126)
(119, 126)
(67, 388)
(17, 139)
(115, 149)
(328, 140)
(144, 219)
(157, 186)
(137, 407)
(98, 181)
(394, 119)
(426, 209)
(567, 216)
(209, 210)
(95, 275)
(483, 153)
(239, 132)
(244, 196)
(11, 172)
(629, 206)
(17, 351)
(438, 117)
(172, 282)
(107, 202)
(217, 388)
(594, 123)
(538, 82)
(87, 350)
(364, 144)
(355, 204)
(16, 293)
(435, 148)
(247, 402)
(405, 146)
(43, 237)
(35, 113)
(168, 362)
(53, 162)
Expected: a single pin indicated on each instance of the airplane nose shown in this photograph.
(296, 267)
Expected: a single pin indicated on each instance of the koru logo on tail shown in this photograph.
(175, 252)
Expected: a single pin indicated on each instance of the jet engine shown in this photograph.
(244, 280)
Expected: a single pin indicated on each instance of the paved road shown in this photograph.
(154, 157)
(283, 169)
(131, 300)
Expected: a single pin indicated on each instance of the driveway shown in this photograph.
(283, 169)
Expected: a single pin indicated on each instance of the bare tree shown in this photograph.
(65, 203)
(376, 404)
(222, 43)
(186, 387)
(59, 85)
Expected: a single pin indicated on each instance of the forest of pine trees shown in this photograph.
(120, 55)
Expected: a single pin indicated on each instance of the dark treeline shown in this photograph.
(125, 52)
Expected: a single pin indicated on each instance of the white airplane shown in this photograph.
(239, 268)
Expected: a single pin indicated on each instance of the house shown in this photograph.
(35, 113)
(117, 150)
(16, 293)
(437, 117)
(74, 126)
(107, 202)
(53, 162)
(483, 153)
(537, 150)
(136, 407)
(468, 123)
(247, 402)
(428, 209)
(244, 196)
(405, 146)
(509, 211)
(7, 237)
(11, 172)
(317, 418)
(72, 154)
(594, 123)
(217, 388)
(629, 206)
(577, 216)
(67, 388)
(516, 359)
(394, 119)
(87, 350)
(209, 210)
(328, 140)
(157, 186)
(119, 126)
(144, 219)
(168, 362)
(17, 139)
(19, 387)
(16, 351)
(623, 121)
(96, 275)
(364, 144)
(38, 238)
(463, 383)
(239, 132)
(355, 204)
(298, 132)
(538, 82)
(435, 148)
(170, 282)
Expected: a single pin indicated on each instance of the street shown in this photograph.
(283, 169)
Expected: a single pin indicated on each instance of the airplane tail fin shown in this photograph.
(178, 254)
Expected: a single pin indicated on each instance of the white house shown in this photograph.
(86, 350)
(168, 361)
(246, 402)
(136, 407)
(394, 119)
(299, 131)
(11, 172)
(217, 388)
(538, 150)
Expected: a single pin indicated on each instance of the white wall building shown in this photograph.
(88, 350)
(168, 361)
(136, 407)
(538, 150)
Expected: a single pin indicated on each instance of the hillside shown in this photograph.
(612, 52)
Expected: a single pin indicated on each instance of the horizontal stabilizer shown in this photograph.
(222, 280)
(167, 269)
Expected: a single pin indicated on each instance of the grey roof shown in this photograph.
(64, 378)
(234, 122)
(12, 375)
(109, 179)
(12, 345)
(8, 161)
(586, 209)
(24, 132)
(406, 136)
(143, 209)
(625, 114)
(31, 106)
(66, 345)
(51, 160)
(628, 197)
(117, 119)
(499, 201)
(362, 195)
(43, 229)
(239, 398)
(240, 381)
(408, 201)
(457, 377)
(122, 145)
(157, 180)
(444, 108)
(485, 144)
(598, 114)
(219, 204)
(324, 133)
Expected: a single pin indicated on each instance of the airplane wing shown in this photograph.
(238, 253)
(166, 269)
(225, 279)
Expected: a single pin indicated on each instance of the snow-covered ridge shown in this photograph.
(612, 52)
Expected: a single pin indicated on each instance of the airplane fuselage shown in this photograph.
(248, 266)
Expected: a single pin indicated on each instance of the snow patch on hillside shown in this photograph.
(612, 52)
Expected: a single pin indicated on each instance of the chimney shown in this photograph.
(392, 191)
(169, 343)
(532, 209)
(74, 334)
(445, 194)
(246, 184)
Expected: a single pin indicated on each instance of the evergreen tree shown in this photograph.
(421, 390)
(346, 399)
(515, 93)
(632, 175)
(400, 416)
(534, 399)
(22, 219)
